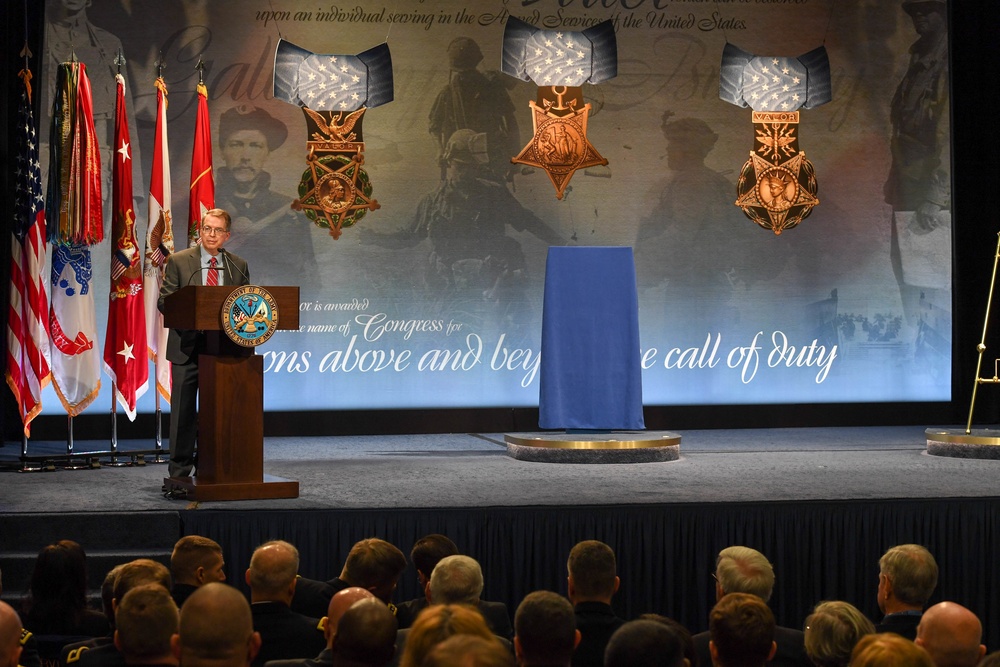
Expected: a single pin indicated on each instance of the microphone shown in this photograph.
(227, 261)
(193, 274)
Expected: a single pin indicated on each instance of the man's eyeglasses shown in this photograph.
(213, 231)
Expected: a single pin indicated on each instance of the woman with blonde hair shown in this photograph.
(832, 631)
(888, 649)
(437, 623)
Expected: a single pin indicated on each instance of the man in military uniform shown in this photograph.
(194, 562)
(26, 640)
(216, 629)
(10, 636)
(372, 564)
(146, 620)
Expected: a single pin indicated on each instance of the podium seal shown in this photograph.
(249, 316)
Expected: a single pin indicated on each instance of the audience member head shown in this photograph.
(951, 634)
(687, 640)
(456, 580)
(907, 577)
(992, 660)
(10, 636)
(741, 627)
(644, 643)
(139, 572)
(435, 624)
(147, 619)
(197, 561)
(58, 588)
(366, 634)
(108, 593)
(216, 629)
(469, 651)
(341, 601)
(887, 649)
(376, 565)
(271, 575)
(832, 631)
(593, 575)
(743, 570)
(428, 552)
(545, 630)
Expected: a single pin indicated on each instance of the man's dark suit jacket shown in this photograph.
(285, 634)
(596, 622)
(312, 597)
(495, 613)
(324, 659)
(183, 269)
(791, 649)
(902, 624)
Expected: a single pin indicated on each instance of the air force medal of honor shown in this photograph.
(559, 63)
(249, 315)
(334, 91)
(777, 185)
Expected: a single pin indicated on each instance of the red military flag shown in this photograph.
(125, 342)
(75, 221)
(159, 245)
(202, 179)
(28, 312)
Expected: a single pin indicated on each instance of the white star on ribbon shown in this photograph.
(126, 352)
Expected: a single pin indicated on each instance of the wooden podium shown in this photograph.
(230, 400)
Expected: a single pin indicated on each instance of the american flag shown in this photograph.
(27, 319)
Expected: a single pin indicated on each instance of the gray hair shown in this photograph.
(456, 580)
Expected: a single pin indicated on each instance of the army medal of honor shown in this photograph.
(249, 315)
(777, 185)
(559, 63)
(559, 145)
(334, 91)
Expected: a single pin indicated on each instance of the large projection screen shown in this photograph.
(408, 309)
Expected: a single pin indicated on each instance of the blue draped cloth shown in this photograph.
(590, 375)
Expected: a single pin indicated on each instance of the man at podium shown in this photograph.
(205, 264)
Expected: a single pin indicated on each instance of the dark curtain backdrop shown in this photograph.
(666, 554)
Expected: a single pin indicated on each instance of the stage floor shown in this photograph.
(473, 470)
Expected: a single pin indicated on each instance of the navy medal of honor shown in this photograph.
(249, 315)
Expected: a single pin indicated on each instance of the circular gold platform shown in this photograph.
(606, 447)
(977, 444)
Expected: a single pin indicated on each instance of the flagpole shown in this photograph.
(70, 465)
(159, 430)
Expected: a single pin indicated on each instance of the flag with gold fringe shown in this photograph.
(75, 216)
(159, 245)
(125, 339)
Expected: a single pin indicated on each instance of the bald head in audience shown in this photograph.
(366, 634)
(952, 635)
(339, 604)
(10, 636)
(216, 629)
